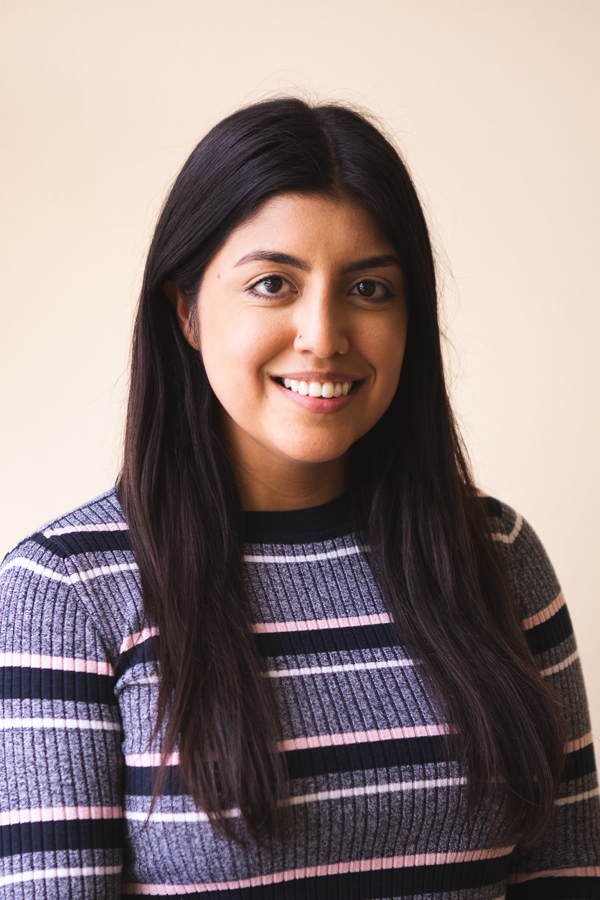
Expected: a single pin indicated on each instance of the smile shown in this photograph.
(327, 389)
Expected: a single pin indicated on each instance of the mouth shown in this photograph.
(325, 389)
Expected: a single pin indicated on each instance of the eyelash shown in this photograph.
(389, 293)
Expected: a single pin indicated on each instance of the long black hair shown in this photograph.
(429, 538)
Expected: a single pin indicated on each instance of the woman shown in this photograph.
(294, 654)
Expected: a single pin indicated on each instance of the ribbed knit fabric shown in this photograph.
(377, 810)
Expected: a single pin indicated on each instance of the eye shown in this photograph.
(270, 286)
(373, 290)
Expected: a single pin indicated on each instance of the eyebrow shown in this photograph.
(369, 262)
(271, 256)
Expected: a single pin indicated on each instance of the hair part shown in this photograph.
(431, 549)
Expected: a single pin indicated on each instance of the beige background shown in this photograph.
(496, 104)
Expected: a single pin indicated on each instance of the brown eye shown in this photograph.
(270, 286)
(373, 290)
(366, 288)
(273, 284)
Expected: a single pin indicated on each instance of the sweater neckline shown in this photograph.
(302, 526)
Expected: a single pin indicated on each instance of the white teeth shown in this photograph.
(326, 389)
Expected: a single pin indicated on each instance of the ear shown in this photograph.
(183, 309)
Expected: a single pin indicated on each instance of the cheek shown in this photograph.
(235, 348)
(385, 350)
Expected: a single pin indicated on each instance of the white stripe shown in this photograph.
(347, 667)
(585, 795)
(87, 724)
(308, 557)
(43, 874)
(196, 816)
(370, 789)
(510, 538)
(552, 670)
(102, 570)
(74, 529)
(149, 679)
(23, 563)
(151, 759)
(321, 796)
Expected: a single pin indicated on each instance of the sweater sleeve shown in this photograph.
(60, 781)
(566, 864)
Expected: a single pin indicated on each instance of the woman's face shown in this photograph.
(301, 322)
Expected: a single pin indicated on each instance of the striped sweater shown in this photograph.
(378, 810)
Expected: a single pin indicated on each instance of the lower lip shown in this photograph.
(319, 404)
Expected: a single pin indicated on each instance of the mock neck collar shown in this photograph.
(302, 526)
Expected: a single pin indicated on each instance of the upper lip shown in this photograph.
(322, 377)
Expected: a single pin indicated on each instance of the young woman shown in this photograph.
(294, 654)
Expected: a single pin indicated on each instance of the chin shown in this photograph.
(313, 455)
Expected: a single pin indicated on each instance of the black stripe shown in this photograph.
(550, 633)
(368, 755)
(146, 652)
(294, 643)
(140, 780)
(299, 643)
(65, 545)
(492, 506)
(562, 887)
(76, 834)
(24, 683)
(579, 763)
(405, 882)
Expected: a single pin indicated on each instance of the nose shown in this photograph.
(320, 325)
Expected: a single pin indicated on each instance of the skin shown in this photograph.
(330, 312)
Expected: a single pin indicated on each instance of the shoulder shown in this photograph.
(87, 528)
(78, 565)
(530, 572)
(78, 529)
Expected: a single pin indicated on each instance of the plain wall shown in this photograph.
(496, 108)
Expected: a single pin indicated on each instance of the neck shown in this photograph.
(288, 486)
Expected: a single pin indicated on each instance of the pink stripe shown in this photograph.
(62, 663)
(132, 640)
(579, 743)
(315, 624)
(362, 737)
(544, 614)
(59, 814)
(342, 868)
(581, 872)
(316, 740)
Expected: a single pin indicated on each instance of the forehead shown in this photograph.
(310, 226)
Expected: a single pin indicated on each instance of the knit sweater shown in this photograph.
(378, 810)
